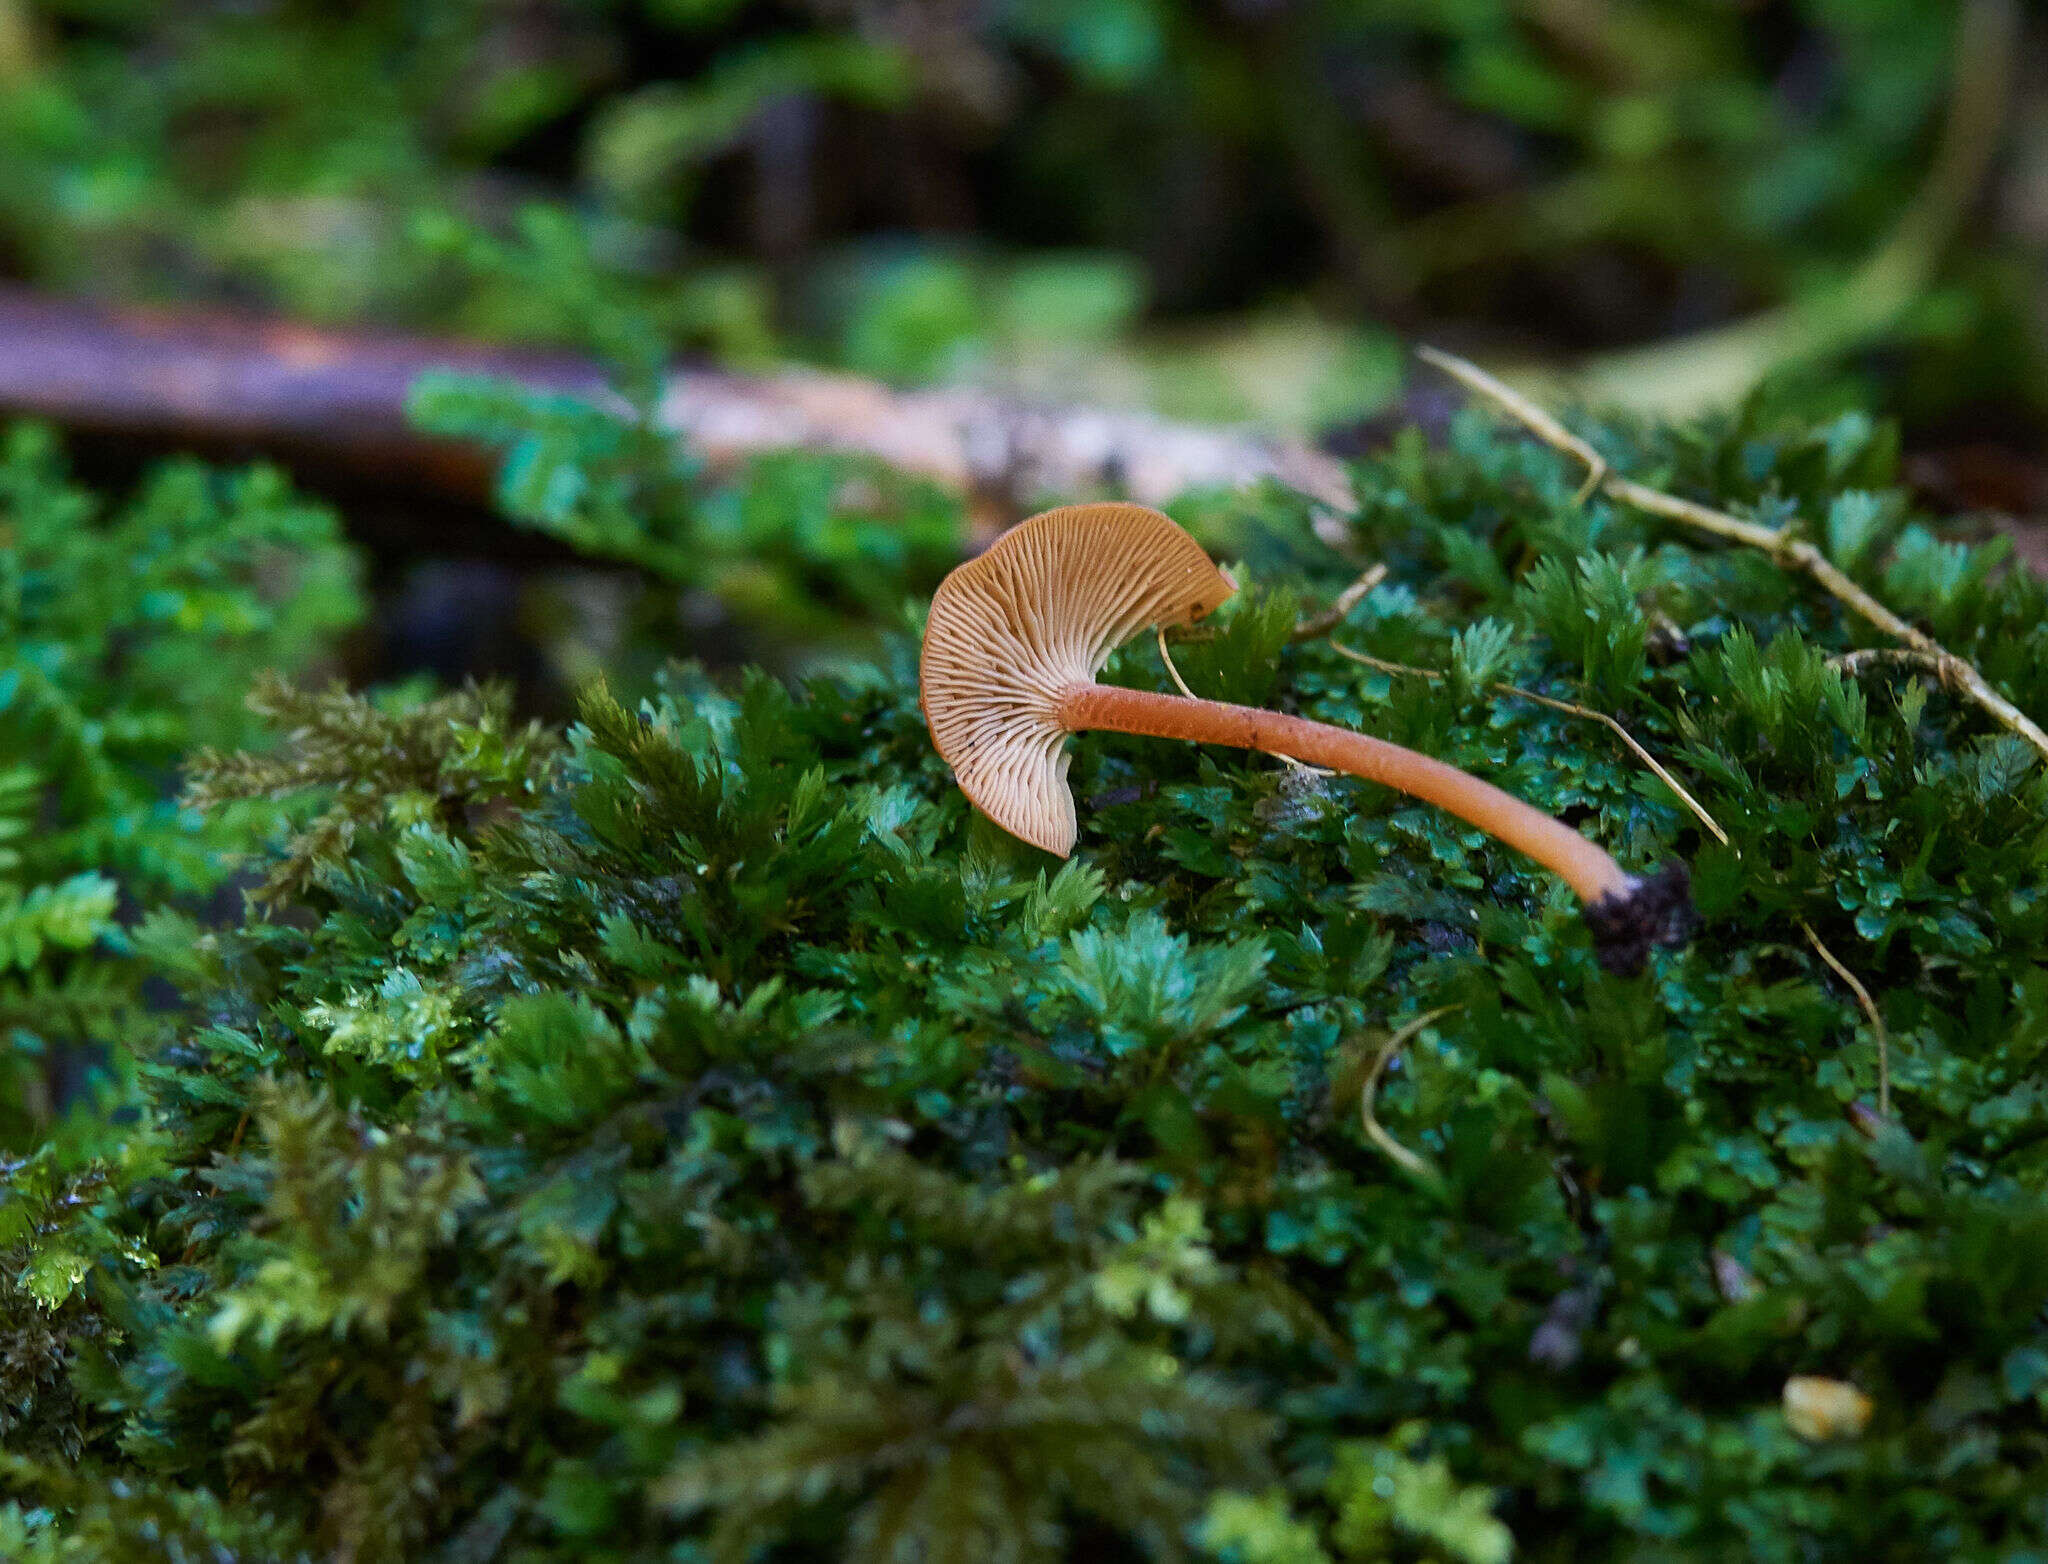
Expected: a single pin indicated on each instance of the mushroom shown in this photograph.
(1017, 635)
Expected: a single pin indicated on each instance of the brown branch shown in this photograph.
(1794, 552)
(338, 399)
(225, 383)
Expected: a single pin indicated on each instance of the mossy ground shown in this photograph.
(694, 1136)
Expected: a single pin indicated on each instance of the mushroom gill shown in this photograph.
(1037, 614)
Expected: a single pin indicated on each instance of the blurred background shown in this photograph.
(1223, 208)
(1218, 210)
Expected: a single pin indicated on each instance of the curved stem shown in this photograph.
(1581, 863)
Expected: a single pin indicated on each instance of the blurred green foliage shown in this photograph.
(695, 1136)
(128, 635)
(922, 187)
(804, 552)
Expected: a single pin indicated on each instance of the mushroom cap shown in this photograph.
(1011, 630)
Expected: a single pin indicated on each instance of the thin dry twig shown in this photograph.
(1636, 749)
(1415, 1165)
(1539, 422)
(1642, 754)
(1794, 552)
(1173, 672)
(1382, 664)
(1856, 661)
(1167, 657)
(1326, 621)
(1884, 1061)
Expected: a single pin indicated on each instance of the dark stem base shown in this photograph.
(1656, 910)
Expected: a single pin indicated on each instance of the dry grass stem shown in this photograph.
(1346, 600)
(1863, 657)
(1642, 754)
(1957, 672)
(1172, 672)
(1415, 1165)
(1698, 809)
(1382, 664)
(1884, 1062)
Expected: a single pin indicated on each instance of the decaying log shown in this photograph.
(992, 445)
(227, 383)
(337, 400)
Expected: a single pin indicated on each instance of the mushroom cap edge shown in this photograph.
(1035, 614)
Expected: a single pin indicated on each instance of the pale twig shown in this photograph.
(1884, 1063)
(1539, 421)
(1596, 474)
(1415, 1165)
(1167, 657)
(1795, 552)
(1863, 657)
(1575, 710)
(1181, 684)
(1636, 749)
(1382, 664)
(1346, 600)
(1304, 767)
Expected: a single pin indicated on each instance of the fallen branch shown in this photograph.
(1956, 672)
(227, 381)
(338, 399)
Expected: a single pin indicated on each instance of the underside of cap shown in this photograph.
(1039, 612)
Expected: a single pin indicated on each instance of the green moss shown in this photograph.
(699, 1138)
(129, 635)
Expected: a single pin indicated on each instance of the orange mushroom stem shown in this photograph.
(1015, 640)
